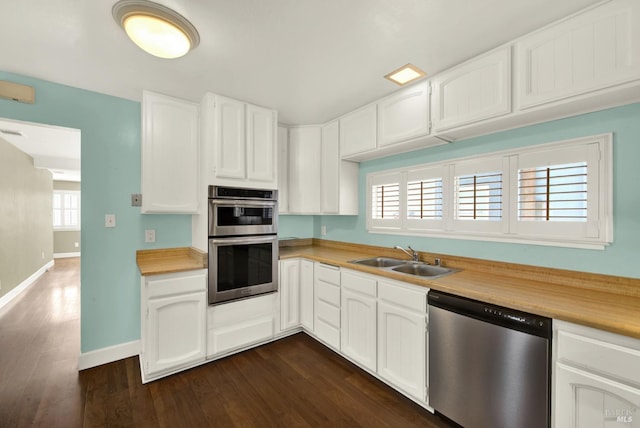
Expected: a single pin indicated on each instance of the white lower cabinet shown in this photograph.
(174, 308)
(597, 378)
(402, 338)
(358, 319)
(289, 294)
(237, 325)
(306, 294)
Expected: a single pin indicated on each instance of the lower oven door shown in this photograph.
(241, 267)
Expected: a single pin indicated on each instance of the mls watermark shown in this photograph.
(619, 415)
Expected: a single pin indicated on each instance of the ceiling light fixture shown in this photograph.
(155, 28)
(405, 74)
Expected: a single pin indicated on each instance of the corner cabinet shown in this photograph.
(170, 155)
(173, 308)
(597, 378)
(592, 50)
(242, 142)
(305, 147)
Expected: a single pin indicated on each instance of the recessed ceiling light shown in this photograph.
(405, 74)
(155, 28)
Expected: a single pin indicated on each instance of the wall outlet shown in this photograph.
(76, 244)
(0, 284)
(323, 230)
(109, 220)
(43, 255)
(150, 235)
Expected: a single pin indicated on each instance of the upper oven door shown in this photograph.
(231, 217)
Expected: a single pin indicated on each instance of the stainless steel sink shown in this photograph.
(420, 269)
(405, 267)
(380, 262)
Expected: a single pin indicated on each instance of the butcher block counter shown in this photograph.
(601, 301)
(169, 260)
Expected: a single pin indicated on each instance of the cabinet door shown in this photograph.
(404, 115)
(476, 90)
(330, 172)
(402, 349)
(304, 170)
(176, 331)
(170, 155)
(358, 131)
(230, 140)
(289, 294)
(358, 328)
(306, 294)
(585, 400)
(283, 170)
(261, 145)
(593, 50)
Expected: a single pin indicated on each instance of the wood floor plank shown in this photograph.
(293, 382)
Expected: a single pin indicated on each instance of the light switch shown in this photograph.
(150, 235)
(109, 220)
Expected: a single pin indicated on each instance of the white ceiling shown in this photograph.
(52, 147)
(310, 60)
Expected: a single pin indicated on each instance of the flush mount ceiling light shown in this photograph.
(405, 74)
(156, 29)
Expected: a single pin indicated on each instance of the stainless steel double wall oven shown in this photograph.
(243, 243)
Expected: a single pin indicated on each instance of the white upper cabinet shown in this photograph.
(170, 155)
(404, 115)
(339, 179)
(243, 141)
(476, 90)
(283, 170)
(305, 146)
(261, 144)
(592, 50)
(358, 131)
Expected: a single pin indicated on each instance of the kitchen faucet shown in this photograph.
(413, 254)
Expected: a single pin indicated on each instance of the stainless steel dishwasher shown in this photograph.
(489, 366)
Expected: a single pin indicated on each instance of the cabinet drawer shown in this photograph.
(612, 359)
(328, 333)
(403, 296)
(176, 283)
(328, 293)
(328, 314)
(360, 284)
(328, 274)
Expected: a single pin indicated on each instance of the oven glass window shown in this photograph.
(241, 216)
(244, 265)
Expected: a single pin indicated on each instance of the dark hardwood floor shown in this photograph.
(294, 382)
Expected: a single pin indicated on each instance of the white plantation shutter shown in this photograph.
(385, 196)
(559, 193)
(479, 195)
(66, 209)
(425, 198)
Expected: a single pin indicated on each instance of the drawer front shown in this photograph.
(328, 274)
(328, 314)
(403, 296)
(360, 284)
(328, 293)
(328, 334)
(603, 357)
(176, 283)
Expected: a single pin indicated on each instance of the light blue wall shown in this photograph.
(621, 258)
(295, 226)
(110, 296)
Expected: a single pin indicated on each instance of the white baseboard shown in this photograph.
(66, 255)
(108, 354)
(4, 300)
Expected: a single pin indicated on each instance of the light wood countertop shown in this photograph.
(600, 301)
(169, 260)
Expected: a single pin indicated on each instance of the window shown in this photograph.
(552, 194)
(66, 209)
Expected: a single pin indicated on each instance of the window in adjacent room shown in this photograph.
(66, 209)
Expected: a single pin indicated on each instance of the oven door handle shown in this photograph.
(244, 240)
